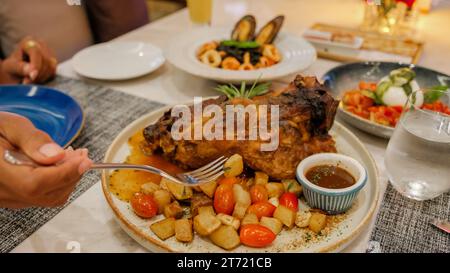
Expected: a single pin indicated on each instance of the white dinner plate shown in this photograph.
(297, 55)
(118, 60)
(287, 241)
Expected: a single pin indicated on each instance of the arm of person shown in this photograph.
(47, 186)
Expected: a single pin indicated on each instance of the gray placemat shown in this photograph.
(403, 225)
(107, 113)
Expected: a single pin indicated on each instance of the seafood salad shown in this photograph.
(245, 50)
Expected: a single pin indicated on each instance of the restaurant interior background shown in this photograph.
(369, 83)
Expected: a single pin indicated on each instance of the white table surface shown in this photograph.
(89, 225)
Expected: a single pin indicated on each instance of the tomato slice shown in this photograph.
(144, 205)
(261, 209)
(224, 199)
(228, 180)
(289, 200)
(255, 235)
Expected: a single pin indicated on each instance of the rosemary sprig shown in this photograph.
(231, 91)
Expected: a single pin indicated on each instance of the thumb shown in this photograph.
(38, 145)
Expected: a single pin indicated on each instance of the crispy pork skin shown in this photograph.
(306, 114)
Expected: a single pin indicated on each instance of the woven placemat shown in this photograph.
(107, 113)
(403, 225)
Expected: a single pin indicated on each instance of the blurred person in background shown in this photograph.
(30, 31)
(67, 26)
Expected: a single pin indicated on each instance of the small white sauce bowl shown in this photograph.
(332, 201)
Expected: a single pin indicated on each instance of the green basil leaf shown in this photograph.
(244, 44)
(435, 93)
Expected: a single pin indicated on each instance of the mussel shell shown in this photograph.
(269, 32)
(244, 29)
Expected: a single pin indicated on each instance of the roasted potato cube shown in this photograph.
(233, 166)
(291, 185)
(207, 209)
(209, 188)
(242, 199)
(163, 184)
(173, 210)
(164, 229)
(249, 218)
(228, 220)
(274, 201)
(317, 221)
(285, 215)
(149, 188)
(179, 191)
(183, 230)
(239, 210)
(241, 195)
(205, 224)
(199, 200)
(162, 198)
(271, 223)
(275, 189)
(225, 237)
(261, 178)
(302, 219)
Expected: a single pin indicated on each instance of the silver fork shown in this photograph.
(205, 174)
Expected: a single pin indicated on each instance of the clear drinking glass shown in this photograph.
(417, 158)
(200, 11)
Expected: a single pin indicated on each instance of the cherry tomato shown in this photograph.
(261, 209)
(258, 193)
(144, 205)
(372, 86)
(289, 200)
(255, 235)
(228, 180)
(224, 199)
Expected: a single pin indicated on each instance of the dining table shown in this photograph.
(89, 224)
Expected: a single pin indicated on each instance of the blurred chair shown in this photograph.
(66, 26)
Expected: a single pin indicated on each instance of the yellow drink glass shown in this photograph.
(200, 11)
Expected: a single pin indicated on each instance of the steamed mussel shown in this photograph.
(269, 32)
(244, 29)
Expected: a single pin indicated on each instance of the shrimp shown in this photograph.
(264, 62)
(211, 58)
(207, 46)
(231, 63)
(271, 52)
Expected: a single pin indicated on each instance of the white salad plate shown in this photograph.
(297, 55)
(356, 219)
(118, 60)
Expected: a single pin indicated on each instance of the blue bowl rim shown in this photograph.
(72, 99)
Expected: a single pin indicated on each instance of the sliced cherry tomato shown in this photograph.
(144, 205)
(255, 235)
(228, 180)
(259, 193)
(289, 200)
(398, 108)
(224, 199)
(261, 209)
(372, 86)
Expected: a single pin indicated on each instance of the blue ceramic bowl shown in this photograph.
(50, 110)
(332, 201)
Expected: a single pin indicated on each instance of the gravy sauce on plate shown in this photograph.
(124, 183)
(330, 177)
